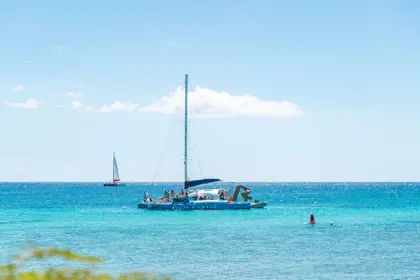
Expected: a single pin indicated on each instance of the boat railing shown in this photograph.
(181, 199)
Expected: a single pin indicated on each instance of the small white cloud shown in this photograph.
(119, 106)
(29, 104)
(25, 168)
(73, 94)
(207, 103)
(17, 88)
(76, 104)
(28, 62)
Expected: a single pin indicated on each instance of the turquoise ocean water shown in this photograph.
(363, 230)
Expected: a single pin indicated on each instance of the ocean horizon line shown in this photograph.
(226, 182)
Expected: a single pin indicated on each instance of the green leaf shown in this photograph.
(10, 271)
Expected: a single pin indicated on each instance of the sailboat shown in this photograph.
(115, 175)
(191, 198)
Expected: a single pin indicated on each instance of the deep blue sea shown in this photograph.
(363, 230)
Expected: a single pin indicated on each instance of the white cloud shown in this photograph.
(207, 103)
(17, 88)
(73, 105)
(73, 94)
(28, 61)
(119, 106)
(25, 168)
(76, 104)
(29, 104)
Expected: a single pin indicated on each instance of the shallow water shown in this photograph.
(363, 230)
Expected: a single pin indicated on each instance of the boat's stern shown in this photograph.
(142, 205)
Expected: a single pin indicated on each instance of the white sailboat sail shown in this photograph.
(116, 175)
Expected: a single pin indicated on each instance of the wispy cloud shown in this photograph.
(17, 88)
(119, 106)
(60, 49)
(208, 103)
(24, 168)
(29, 104)
(76, 104)
(67, 166)
(113, 107)
(171, 43)
(28, 61)
(176, 45)
(73, 94)
(203, 103)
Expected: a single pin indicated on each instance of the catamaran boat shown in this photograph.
(202, 199)
(115, 175)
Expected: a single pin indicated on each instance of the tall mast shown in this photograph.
(113, 169)
(186, 135)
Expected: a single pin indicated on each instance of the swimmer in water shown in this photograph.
(312, 220)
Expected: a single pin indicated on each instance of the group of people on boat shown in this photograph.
(168, 196)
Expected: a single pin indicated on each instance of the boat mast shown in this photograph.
(113, 169)
(186, 134)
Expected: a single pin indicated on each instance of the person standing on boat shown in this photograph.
(222, 195)
(167, 196)
(226, 194)
(146, 196)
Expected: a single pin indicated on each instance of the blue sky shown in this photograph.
(287, 90)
